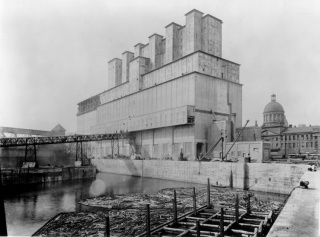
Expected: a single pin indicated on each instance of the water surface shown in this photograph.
(30, 207)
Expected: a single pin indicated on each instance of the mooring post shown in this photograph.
(77, 151)
(107, 233)
(28, 174)
(175, 214)
(194, 202)
(237, 209)
(35, 154)
(208, 194)
(221, 224)
(248, 204)
(148, 220)
(3, 224)
(81, 158)
(198, 228)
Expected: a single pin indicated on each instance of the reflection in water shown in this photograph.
(30, 207)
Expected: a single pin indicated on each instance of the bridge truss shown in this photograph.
(31, 143)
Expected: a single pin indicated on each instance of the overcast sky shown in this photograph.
(54, 54)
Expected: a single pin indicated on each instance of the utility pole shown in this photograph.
(222, 141)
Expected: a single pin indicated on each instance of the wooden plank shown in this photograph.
(195, 218)
(186, 223)
(248, 219)
(251, 225)
(209, 225)
(183, 233)
(242, 232)
(172, 229)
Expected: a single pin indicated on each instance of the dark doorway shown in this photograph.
(199, 149)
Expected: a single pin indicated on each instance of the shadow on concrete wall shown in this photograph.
(231, 179)
(133, 169)
(245, 176)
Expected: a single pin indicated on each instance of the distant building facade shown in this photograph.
(284, 139)
(58, 130)
(53, 154)
(167, 94)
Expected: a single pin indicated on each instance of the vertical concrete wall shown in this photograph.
(155, 41)
(115, 72)
(274, 178)
(193, 31)
(162, 143)
(126, 58)
(211, 40)
(137, 67)
(137, 49)
(86, 122)
(172, 42)
(155, 107)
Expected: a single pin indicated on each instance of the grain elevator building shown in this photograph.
(174, 94)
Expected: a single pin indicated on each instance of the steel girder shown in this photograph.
(23, 141)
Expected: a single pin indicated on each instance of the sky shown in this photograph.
(55, 54)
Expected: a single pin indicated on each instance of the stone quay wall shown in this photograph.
(266, 177)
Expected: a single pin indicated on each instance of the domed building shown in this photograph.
(284, 139)
(273, 114)
(274, 124)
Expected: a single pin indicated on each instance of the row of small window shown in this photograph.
(302, 145)
(296, 137)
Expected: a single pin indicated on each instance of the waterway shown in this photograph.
(29, 207)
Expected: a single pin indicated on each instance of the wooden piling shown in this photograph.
(20, 175)
(198, 228)
(107, 233)
(208, 194)
(3, 224)
(148, 220)
(175, 212)
(194, 202)
(237, 209)
(27, 181)
(248, 204)
(221, 224)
